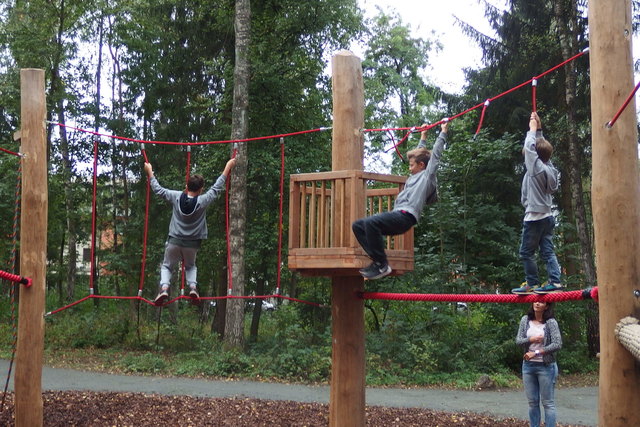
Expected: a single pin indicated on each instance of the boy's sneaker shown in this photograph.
(376, 271)
(162, 297)
(193, 293)
(524, 289)
(549, 288)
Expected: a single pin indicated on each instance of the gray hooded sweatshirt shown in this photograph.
(540, 180)
(191, 225)
(421, 188)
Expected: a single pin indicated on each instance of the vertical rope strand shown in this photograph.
(146, 229)
(12, 269)
(93, 218)
(279, 266)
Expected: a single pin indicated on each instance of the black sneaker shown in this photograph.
(162, 297)
(376, 271)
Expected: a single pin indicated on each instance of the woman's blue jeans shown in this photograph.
(539, 384)
(539, 234)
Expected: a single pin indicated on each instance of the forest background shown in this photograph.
(194, 71)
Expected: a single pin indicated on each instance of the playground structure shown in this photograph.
(331, 201)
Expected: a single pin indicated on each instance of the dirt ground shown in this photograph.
(97, 409)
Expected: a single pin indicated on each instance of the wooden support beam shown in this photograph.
(616, 205)
(347, 399)
(33, 250)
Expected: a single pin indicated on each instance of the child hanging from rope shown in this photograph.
(539, 182)
(420, 189)
(188, 226)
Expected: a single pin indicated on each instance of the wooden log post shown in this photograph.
(33, 250)
(616, 205)
(347, 399)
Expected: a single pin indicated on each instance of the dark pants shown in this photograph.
(369, 231)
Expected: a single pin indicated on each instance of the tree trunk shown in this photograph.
(565, 20)
(257, 310)
(234, 330)
(218, 323)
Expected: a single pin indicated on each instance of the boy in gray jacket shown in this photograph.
(188, 226)
(419, 189)
(539, 182)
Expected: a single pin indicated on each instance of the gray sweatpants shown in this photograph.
(172, 255)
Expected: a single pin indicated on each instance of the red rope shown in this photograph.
(188, 172)
(143, 263)
(226, 217)
(484, 109)
(229, 141)
(591, 293)
(92, 263)
(10, 152)
(611, 122)
(181, 297)
(12, 268)
(534, 84)
(15, 278)
(280, 216)
(187, 175)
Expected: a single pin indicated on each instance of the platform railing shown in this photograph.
(322, 207)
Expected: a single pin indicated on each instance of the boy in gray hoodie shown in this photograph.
(188, 226)
(419, 189)
(539, 182)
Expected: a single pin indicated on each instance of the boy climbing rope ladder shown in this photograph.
(188, 226)
(419, 190)
(539, 182)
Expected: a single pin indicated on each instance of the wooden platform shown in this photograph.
(322, 207)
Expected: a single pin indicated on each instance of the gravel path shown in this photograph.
(576, 406)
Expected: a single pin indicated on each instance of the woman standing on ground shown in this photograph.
(539, 336)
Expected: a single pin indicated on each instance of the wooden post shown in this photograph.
(616, 205)
(347, 399)
(33, 250)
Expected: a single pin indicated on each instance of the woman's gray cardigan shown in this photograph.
(552, 338)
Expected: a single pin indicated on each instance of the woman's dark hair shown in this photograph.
(548, 313)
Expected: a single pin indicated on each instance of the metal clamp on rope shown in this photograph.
(139, 292)
(188, 148)
(142, 146)
(534, 82)
(636, 293)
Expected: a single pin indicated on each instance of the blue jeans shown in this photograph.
(539, 234)
(539, 383)
(369, 231)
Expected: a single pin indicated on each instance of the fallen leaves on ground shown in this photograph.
(111, 409)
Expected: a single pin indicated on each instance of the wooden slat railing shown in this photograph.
(322, 208)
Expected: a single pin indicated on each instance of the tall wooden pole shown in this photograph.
(347, 399)
(616, 205)
(33, 250)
